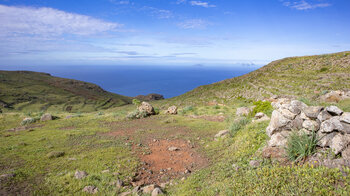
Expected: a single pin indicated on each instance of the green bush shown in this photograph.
(156, 111)
(28, 121)
(300, 145)
(323, 69)
(136, 115)
(187, 109)
(236, 126)
(262, 106)
(136, 102)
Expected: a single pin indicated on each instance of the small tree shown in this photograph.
(136, 102)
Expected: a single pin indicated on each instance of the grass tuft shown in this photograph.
(301, 145)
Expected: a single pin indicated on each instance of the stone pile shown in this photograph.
(335, 96)
(331, 125)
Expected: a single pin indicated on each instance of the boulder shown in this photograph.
(346, 153)
(334, 110)
(90, 189)
(312, 111)
(278, 121)
(273, 152)
(46, 117)
(80, 174)
(259, 115)
(243, 111)
(279, 139)
(27, 121)
(330, 125)
(296, 106)
(311, 125)
(147, 108)
(323, 116)
(286, 113)
(345, 117)
(295, 124)
(333, 97)
(150, 97)
(324, 140)
(339, 143)
(172, 110)
(254, 163)
(222, 134)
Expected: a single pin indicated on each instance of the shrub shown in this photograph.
(187, 109)
(236, 126)
(300, 145)
(136, 102)
(262, 106)
(136, 115)
(156, 111)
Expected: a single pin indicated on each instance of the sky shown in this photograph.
(169, 32)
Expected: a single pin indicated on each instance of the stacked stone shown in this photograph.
(331, 124)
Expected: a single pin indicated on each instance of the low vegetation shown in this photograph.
(300, 146)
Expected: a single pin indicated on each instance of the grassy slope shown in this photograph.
(307, 77)
(33, 91)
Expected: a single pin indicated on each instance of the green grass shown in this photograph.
(300, 146)
(33, 91)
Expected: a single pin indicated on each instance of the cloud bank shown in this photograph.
(304, 5)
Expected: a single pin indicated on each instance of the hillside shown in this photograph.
(302, 77)
(33, 91)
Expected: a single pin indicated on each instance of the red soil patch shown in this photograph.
(161, 164)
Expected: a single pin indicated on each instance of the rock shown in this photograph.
(334, 110)
(27, 121)
(173, 148)
(279, 139)
(46, 117)
(137, 189)
(147, 108)
(345, 117)
(346, 128)
(346, 153)
(254, 163)
(333, 97)
(281, 103)
(148, 189)
(273, 152)
(259, 117)
(297, 106)
(90, 189)
(80, 174)
(172, 110)
(323, 116)
(303, 116)
(312, 111)
(288, 114)
(296, 124)
(278, 121)
(330, 125)
(222, 133)
(243, 111)
(335, 163)
(157, 191)
(311, 125)
(324, 140)
(339, 143)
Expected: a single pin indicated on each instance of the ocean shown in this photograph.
(170, 81)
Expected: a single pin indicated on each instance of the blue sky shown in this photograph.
(169, 32)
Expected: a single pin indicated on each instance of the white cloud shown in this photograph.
(304, 5)
(48, 22)
(193, 24)
(159, 13)
(201, 3)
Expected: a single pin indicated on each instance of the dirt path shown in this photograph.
(162, 156)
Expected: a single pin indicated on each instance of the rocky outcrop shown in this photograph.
(331, 125)
(172, 110)
(150, 97)
(335, 96)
